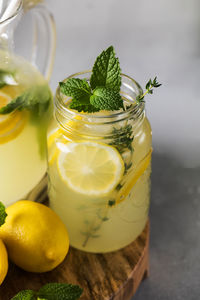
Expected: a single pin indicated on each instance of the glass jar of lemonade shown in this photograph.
(25, 109)
(99, 171)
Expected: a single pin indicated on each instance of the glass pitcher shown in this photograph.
(25, 101)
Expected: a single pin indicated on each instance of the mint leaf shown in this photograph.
(85, 107)
(106, 71)
(36, 98)
(76, 88)
(25, 295)
(60, 291)
(6, 78)
(106, 99)
(3, 214)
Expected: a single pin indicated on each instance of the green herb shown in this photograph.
(6, 78)
(111, 202)
(106, 99)
(106, 71)
(149, 89)
(60, 291)
(3, 214)
(35, 99)
(123, 141)
(77, 88)
(123, 138)
(83, 107)
(93, 227)
(51, 291)
(103, 93)
(25, 295)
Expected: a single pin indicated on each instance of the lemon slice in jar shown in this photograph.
(11, 124)
(4, 119)
(138, 172)
(56, 134)
(90, 168)
(51, 144)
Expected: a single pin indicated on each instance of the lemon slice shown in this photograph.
(4, 119)
(56, 134)
(139, 170)
(11, 124)
(51, 144)
(90, 168)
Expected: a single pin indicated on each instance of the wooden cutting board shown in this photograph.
(115, 275)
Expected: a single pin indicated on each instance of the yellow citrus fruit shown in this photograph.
(3, 262)
(138, 171)
(35, 237)
(90, 168)
(11, 124)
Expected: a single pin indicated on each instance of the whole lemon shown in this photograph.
(35, 237)
(3, 262)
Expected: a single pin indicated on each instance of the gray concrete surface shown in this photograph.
(156, 37)
(175, 226)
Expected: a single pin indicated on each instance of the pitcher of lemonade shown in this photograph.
(25, 101)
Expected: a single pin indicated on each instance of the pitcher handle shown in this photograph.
(44, 40)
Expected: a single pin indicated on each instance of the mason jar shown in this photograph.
(99, 170)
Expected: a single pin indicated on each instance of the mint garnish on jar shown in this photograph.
(102, 92)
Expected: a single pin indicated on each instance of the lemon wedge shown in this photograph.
(139, 170)
(90, 168)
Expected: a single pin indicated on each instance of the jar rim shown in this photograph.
(136, 109)
(14, 14)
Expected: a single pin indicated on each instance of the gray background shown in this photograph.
(152, 37)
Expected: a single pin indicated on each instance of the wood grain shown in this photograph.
(115, 275)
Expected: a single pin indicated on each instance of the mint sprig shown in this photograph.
(6, 78)
(36, 99)
(52, 291)
(3, 214)
(103, 93)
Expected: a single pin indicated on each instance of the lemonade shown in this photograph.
(99, 171)
(23, 129)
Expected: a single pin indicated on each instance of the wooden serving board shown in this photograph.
(115, 275)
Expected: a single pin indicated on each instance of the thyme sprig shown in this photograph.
(123, 138)
(149, 89)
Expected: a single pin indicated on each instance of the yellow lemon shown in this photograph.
(35, 237)
(3, 262)
(90, 168)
